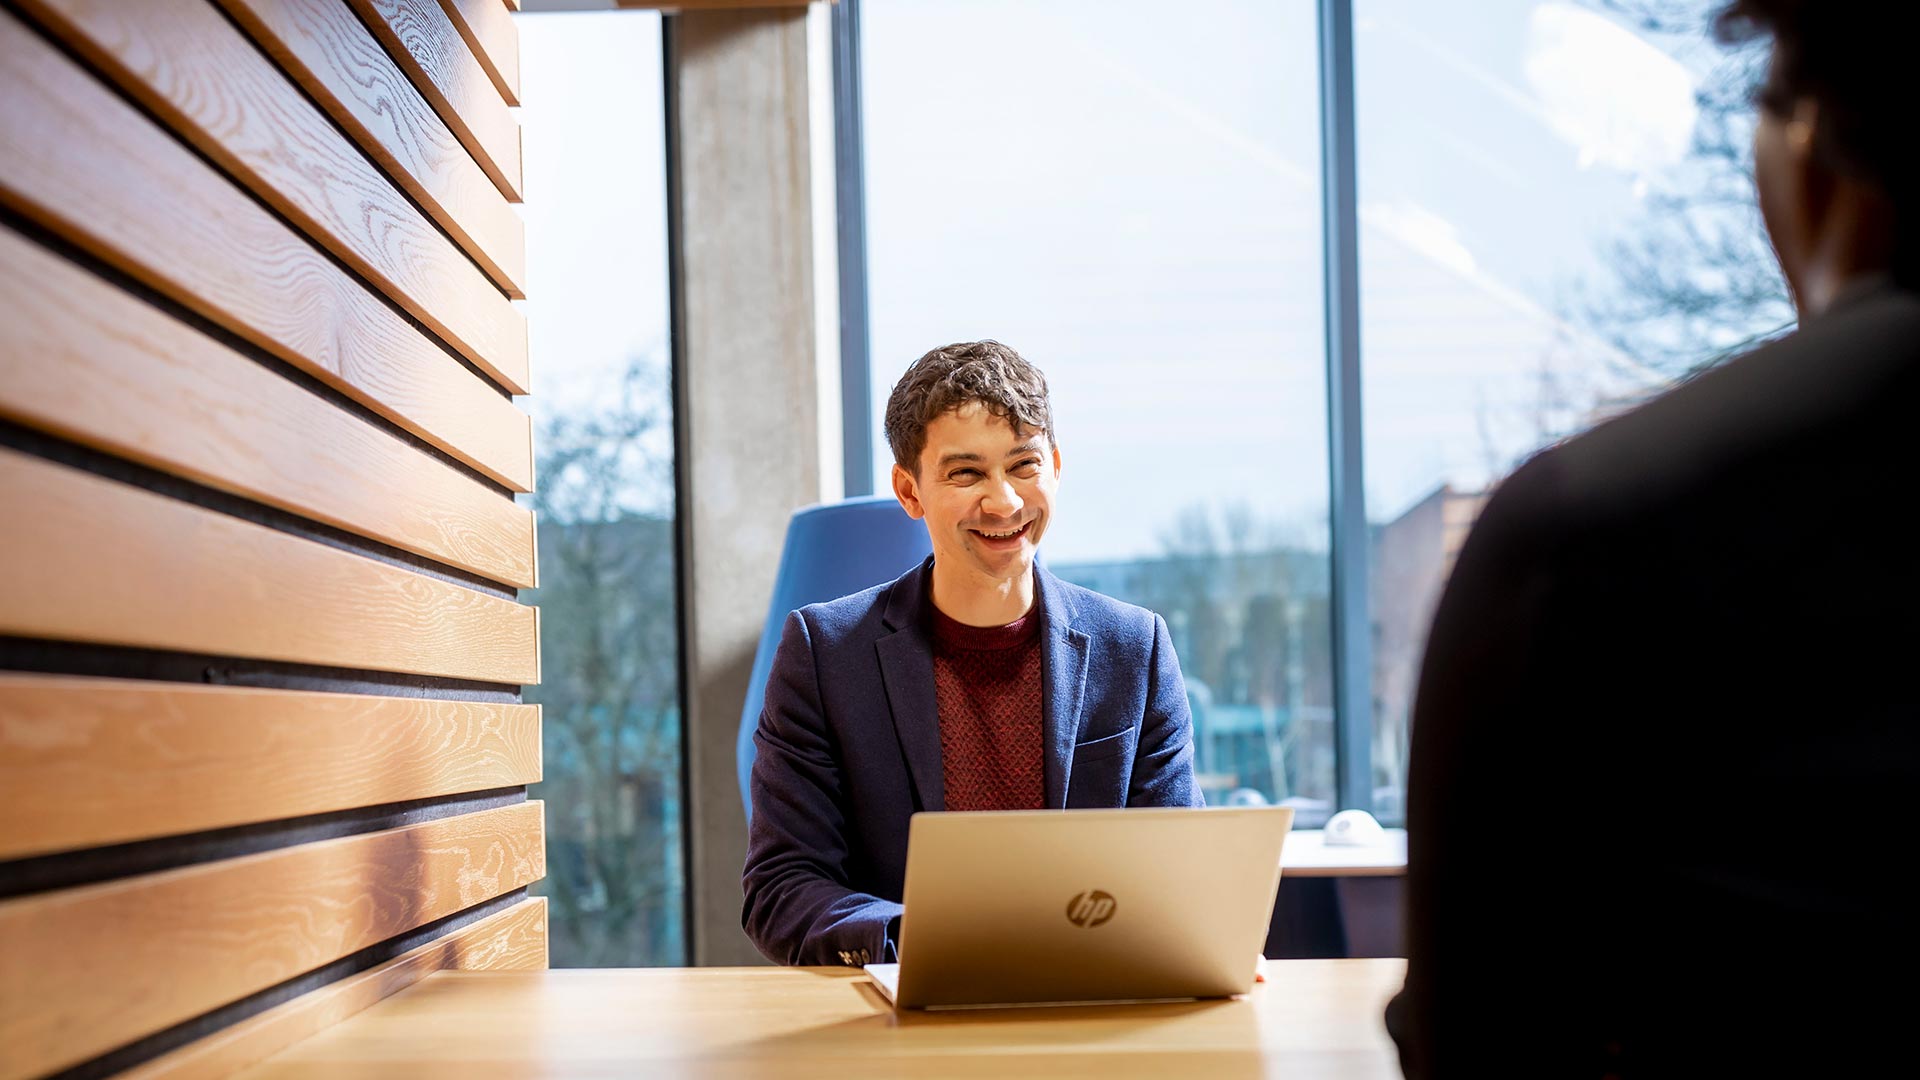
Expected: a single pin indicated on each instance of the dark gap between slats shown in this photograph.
(90, 866)
(128, 662)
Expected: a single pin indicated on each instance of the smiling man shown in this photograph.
(976, 681)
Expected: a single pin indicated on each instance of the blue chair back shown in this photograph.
(832, 550)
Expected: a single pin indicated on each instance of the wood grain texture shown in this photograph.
(489, 31)
(323, 47)
(93, 560)
(1312, 1018)
(511, 940)
(92, 968)
(88, 362)
(80, 161)
(87, 762)
(422, 40)
(185, 62)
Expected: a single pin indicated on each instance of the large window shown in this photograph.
(1554, 222)
(1129, 194)
(597, 253)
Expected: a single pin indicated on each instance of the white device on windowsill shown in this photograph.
(1353, 828)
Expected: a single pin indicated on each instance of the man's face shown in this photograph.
(985, 491)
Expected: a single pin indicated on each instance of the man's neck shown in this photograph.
(977, 600)
(1829, 285)
(1856, 250)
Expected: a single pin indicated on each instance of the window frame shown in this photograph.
(1348, 550)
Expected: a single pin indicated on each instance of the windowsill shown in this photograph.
(1307, 854)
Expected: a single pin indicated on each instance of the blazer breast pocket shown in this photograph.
(1101, 770)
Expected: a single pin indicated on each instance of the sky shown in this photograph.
(1129, 194)
(593, 134)
(593, 142)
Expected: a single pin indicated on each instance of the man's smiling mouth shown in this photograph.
(1008, 534)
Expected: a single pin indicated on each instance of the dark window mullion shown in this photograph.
(1352, 624)
(850, 202)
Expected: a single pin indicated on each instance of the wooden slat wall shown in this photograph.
(512, 940)
(184, 61)
(118, 375)
(87, 762)
(80, 161)
(101, 965)
(204, 582)
(331, 54)
(258, 359)
(488, 28)
(432, 53)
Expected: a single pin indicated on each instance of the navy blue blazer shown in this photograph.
(848, 748)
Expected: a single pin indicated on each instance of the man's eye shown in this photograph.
(964, 474)
(1028, 467)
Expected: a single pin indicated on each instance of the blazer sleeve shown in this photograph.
(799, 908)
(1163, 760)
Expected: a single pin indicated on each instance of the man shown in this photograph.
(1667, 733)
(977, 681)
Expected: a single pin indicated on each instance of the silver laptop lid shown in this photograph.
(1087, 905)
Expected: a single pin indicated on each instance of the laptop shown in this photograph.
(1077, 906)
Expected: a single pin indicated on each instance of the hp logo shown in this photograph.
(1090, 909)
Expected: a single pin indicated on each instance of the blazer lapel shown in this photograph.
(906, 669)
(1064, 686)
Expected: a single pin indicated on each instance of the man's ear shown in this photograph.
(1815, 179)
(1056, 461)
(907, 490)
(1803, 128)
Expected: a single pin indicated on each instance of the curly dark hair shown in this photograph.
(1853, 58)
(953, 375)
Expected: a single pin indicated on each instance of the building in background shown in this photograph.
(1412, 556)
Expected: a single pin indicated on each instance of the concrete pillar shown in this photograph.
(755, 360)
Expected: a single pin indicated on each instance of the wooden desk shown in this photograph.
(1313, 1018)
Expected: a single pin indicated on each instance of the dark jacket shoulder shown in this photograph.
(1821, 390)
(1093, 611)
(834, 621)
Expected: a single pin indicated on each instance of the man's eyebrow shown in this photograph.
(952, 456)
(1031, 446)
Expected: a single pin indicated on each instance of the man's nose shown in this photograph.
(1002, 500)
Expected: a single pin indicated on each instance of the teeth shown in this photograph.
(1001, 535)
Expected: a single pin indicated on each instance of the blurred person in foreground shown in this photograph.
(975, 681)
(1667, 733)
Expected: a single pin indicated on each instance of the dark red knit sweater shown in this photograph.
(987, 682)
